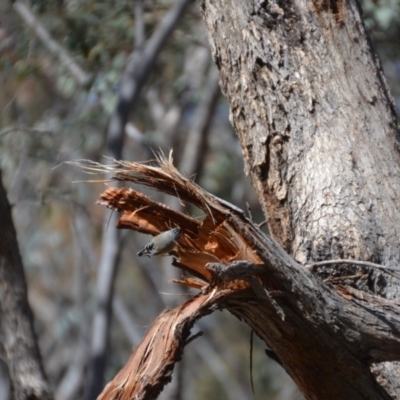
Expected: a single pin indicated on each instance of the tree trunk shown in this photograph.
(18, 339)
(318, 130)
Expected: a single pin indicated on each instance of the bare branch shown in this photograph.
(139, 25)
(133, 79)
(354, 262)
(150, 366)
(109, 260)
(254, 278)
(135, 75)
(6, 131)
(73, 378)
(196, 141)
(40, 31)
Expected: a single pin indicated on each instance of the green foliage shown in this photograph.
(382, 19)
(382, 15)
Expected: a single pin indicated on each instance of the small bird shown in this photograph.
(161, 244)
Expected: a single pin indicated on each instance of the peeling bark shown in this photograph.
(319, 133)
(326, 336)
(317, 126)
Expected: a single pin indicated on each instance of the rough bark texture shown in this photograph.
(317, 125)
(16, 322)
(326, 337)
(150, 366)
(318, 129)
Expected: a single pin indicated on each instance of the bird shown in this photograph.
(161, 244)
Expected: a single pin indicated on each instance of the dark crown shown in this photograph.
(175, 233)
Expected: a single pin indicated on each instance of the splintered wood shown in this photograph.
(150, 366)
(223, 236)
(215, 239)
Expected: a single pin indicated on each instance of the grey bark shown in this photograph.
(326, 336)
(18, 339)
(318, 129)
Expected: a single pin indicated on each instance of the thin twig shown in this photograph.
(193, 337)
(192, 162)
(261, 224)
(251, 360)
(349, 261)
(5, 131)
(342, 278)
(250, 215)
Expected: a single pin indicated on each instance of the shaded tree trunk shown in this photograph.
(318, 130)
(18, 339)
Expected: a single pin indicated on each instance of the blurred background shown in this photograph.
(125, 79)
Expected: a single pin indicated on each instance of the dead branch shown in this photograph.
(241, 269)
(150, 366)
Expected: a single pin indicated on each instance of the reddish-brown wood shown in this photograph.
(303, 321)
